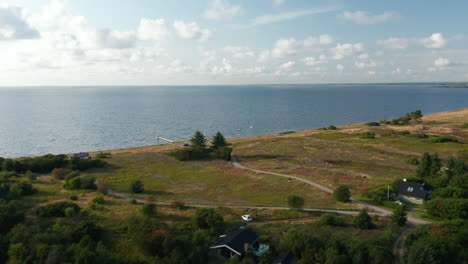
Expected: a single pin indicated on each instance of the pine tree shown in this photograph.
(363, 220)
(219, 141)
(198, 141)
(425, 165)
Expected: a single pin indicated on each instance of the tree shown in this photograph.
(198, 141)
(31, 176)
(399, 216)
(342, 193)
(219, 141)
(137, 186)
(148, 209)
(60, 173)
(207, 218)
(295, 202)
(363, 220)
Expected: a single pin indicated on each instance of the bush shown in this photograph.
(148, 209)
(56, 209)
(188, 154)
(72, 175)
(418, 135)
(367, 135)
(331, 220)
(399, 216)
(73, 197)
(178, 204)
(223, 153)
(73, 184)
(22, 188)
(60, 173)
(31, 176)
(207, 218)
(443, 139)
(403, 132)
(372, 124)
(332, 127)
(295, 202)
(99, 199)
(133, 201)
(342, 193)
(363, 220)
(103, 155)
(88, 183)
(70, 212)
(137, 187)
(448, 208)
(102, 188)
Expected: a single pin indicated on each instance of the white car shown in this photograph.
(399, 202)
(247, 218)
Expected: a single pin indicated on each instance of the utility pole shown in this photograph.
(388, 192)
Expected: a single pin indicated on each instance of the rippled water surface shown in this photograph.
(41, 120)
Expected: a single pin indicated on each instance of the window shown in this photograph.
(410, 189)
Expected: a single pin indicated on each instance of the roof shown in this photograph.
(235, 240)
(285, 258)
(413, 189)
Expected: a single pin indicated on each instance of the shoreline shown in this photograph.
(176, 144)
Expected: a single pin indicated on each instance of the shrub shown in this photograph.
(70, 212)
(88, 183)
(73, 184)
(386, 134)
(207, 218)
(295, 202)
(399, 216)
(332, 127)
(465, 125)
(188, 154)
(331, 220)
(73, 197)
(372, 124)
(56, 209)
(133, 201)
(99, 199)
(103, 155)
(72, 175)
(102, 188)
(403, 133)
(22, 188)
(443, 139)
(178, 204)
(448, 208)
(223, 153)
(137, 187)
(31, 176)
(148, 209)
(363, 220)
(60, 173)
(342, 193)
(367, 135)
(418, 135)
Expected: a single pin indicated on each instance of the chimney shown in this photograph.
(404, 180)
(246, 248)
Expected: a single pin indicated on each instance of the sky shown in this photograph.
(209, 42)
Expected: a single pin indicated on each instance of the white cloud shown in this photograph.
(221, 10)
(361, 17)
(239, 52)
(278, 3)
(255, 70)
(323, 39)
(14, 25)
(273, 18)
(442, 62)
(363, 56)
(340, 67)
(362, 65)
(435, 41)
(224, 68)
(283, 48)
(341, 51)
(312, 61)
(152, 29)
(287, 65)
(394, 43)
(191, 31)
(371, 73)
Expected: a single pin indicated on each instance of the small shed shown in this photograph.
(413, 192)
(237, 243)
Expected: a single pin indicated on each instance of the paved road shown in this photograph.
(125, 197)
(326, 189)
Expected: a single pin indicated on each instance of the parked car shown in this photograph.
(399, 202)
(247, 218)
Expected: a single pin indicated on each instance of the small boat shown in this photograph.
(238, 129)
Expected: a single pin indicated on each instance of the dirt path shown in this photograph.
(382, 211)
(399, 246)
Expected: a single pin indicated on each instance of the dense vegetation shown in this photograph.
(199, 149)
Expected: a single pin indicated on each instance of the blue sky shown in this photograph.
(150, 42)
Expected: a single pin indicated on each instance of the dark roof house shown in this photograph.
(237, 243)
(82, 155)
(415, 192)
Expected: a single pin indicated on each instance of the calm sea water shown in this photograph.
(41, 120)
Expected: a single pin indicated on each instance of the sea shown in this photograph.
(41, 120)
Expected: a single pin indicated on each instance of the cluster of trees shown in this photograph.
(404, 120)
(441, 243)
(13, 185)
(199, 148)
(46, 163)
